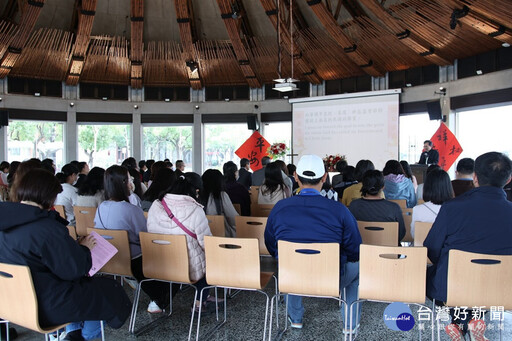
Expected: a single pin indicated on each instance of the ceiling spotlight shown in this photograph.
(479, 72)
(104, 98)
(285, 97)
(197, 106)
(167, 99)
(226, 99)
(135, 106)
(408, 85)
(505, 44)
(37, 94)
(192, 65)
(72, 104)
(1, 99)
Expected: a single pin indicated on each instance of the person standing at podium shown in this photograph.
(429, 156)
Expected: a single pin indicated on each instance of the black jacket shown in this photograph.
(429, 158)
(59, 265)
(245, 178)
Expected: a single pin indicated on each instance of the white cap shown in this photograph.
(310, 167)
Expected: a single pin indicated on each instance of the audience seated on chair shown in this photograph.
(162, 180)
(273, 188)
(179, 212)
(371, 207)
(479, 221)
(59, 266)
(69, 194)
(397, 185)
(464, 176)
(116, 213)
(237, 192)
(216, 201)
(354, 191)
(90, 193)
(293, 220)
(437, 190)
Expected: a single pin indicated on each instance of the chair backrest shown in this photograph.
(407, 215)
(60, 210)
(401, 202)
(254, 190)
(84, 217)
(237, 208)
(165, 257)
(216, 224)
(72, 232)
(232, 262)
(18, 297)
(421, 230)
(261, 210)
(309, 269)
(378, 232)
(476, 279)
(120, 264)
(383, 276)
(252, 227)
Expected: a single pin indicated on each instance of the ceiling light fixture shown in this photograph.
(135, 106)
(284, 84)
(72, 104)
(104, 98)
(37, 94)
(408, 85)
(505, 44)
(167, 99)
(479, 72)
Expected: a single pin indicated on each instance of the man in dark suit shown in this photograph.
(244, 174)
(429, 156)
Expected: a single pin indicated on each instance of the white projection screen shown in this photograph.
(360, 126)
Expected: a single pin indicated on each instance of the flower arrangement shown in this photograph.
(276, 150)
(331, 160)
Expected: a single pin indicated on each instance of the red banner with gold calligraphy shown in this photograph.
(447, 145)
(253, 149)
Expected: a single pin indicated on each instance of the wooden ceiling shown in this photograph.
(235, 42)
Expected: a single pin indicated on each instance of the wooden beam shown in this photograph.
(136, 43)
(10, 10)
(336, 32)
(29, 14)
(86, 12)
(188, 35)
(407, 37)
(244, 61)
(306, 71)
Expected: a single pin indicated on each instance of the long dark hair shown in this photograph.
(229, 169)
(438, 187)
(163, 180)
(39, 186)
(136, 181)
(93, 182)
(186, 184)
(116, 184)
(213, 183)
(273, 179)
(406, 168)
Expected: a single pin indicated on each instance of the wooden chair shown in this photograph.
(379, 233)
(252, 227)
(165, 259)
(120, 264)
(234, 263)
(19, 300)
(401, 202)
(216, 224)
(60, 210)
(72, 232)
(261, 210)
(238, 209)
(306, 273)
(84, 218)
(254, 194)
(407, 215)
(385, 277)
(476, 280)
(421, 230)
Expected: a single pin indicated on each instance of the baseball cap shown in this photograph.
(310, 167)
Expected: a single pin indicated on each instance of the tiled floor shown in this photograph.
(322, 321)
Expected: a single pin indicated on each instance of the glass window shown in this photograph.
(414, 129)
(103, 145)
(168, 142)
(221, 141)
(484, 130)
(35, 139)
(279, 132)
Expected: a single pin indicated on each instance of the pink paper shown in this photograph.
(101, 253)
